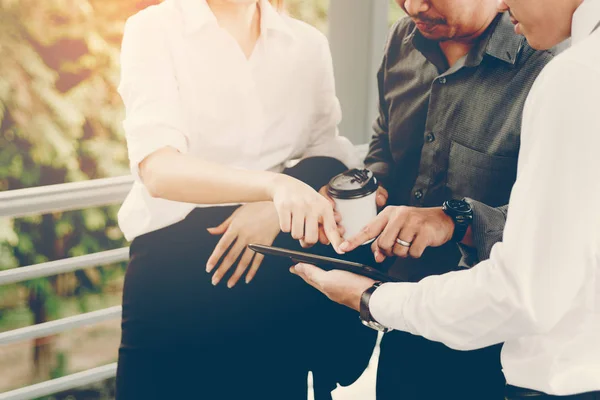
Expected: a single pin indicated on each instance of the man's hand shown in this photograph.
(251, 223)
(419, 227)
(340, 286)
(381, 199)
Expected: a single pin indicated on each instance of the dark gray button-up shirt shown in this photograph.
(447, 133)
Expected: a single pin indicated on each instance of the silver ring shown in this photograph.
(403, 243)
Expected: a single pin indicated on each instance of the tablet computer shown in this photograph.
(326, 263)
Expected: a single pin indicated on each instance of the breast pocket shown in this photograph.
(480, 176)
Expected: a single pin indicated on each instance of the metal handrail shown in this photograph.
(63, 266)
(61, 384)
(55, 198)
(64, 197)
(60, 325)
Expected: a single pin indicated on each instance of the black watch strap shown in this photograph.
(460, 230)
(365, 313)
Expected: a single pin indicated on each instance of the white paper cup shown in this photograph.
(354, 193)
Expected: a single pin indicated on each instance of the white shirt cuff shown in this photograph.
(387, 305)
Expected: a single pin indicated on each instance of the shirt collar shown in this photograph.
(502, 42)
(585, 20)
(273, 20)
(197, 14)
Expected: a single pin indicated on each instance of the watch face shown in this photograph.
(460, 206)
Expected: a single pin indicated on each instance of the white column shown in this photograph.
(357, 33)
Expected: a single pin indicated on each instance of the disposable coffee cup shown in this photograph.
(355, 196)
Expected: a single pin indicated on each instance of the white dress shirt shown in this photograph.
(187, 84)
(540, 290)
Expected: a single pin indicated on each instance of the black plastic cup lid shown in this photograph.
(352, 184)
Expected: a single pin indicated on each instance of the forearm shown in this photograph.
(170, 175)
(465, 310)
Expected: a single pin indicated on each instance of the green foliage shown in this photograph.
(312, 11)
(61, 366)
(395, 12)
(60, 121)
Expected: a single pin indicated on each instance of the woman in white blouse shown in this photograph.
(219, 96)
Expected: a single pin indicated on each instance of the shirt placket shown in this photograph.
(254, 131)
(432, 139)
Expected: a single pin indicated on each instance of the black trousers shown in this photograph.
(516, 393)
(183, 338)
(414, 368)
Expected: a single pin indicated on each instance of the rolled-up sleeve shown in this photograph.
(325, 139)
(149, 91)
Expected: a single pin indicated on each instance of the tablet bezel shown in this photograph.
(327, 263)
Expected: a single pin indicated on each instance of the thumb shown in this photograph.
(382, 196)
(312, 274)
(221, 229)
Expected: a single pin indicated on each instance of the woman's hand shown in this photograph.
(301, 210)
(251, 223)
(381, 200)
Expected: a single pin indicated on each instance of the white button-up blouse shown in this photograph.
(187, 84)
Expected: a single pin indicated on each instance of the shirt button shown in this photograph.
(430, 137)
(443, 80)
(418, 194)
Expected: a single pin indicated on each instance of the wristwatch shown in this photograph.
(365, 314)
(462, 214)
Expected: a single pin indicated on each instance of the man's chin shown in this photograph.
(432, 32)
(434, 36)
